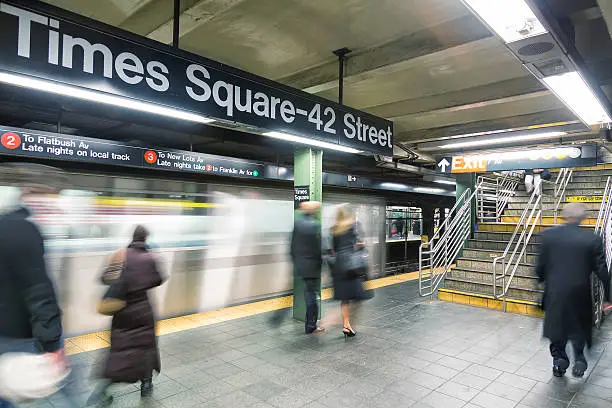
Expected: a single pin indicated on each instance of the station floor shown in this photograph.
(409, 352)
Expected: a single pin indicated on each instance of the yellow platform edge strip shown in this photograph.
(101, 340)
(488, 302)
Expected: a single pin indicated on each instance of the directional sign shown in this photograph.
(559, 157)
(444, 165)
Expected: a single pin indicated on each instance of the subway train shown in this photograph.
(218, 244)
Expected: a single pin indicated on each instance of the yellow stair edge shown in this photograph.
(512, 305)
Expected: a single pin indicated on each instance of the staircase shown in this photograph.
(470, 281)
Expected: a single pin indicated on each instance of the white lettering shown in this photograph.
(228, 102)
(261, 107)
(163, 83)
(191, 76)
(349, 122)
(89, 51)
(373, 135)
(382, 137)
(287, 111)
(26, 18)
(247, 103)
(53, 57)
(126, 64)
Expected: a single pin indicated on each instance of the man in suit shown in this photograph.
(306, 255)
(568, 256)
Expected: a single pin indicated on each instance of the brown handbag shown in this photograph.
(113, 299)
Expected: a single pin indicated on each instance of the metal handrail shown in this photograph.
(495, 194)
(602, 228)
(437, 256)
(563, 179)
(534, 202)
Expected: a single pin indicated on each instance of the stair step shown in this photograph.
(546, 220)
(468, 286)
(510, 227)
(487, 265)
(517, 208)
(490, 255)
(501, 236)
(498, 245)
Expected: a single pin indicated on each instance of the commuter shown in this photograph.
(349, 265)
(533, 180)
(306, 255)
(133, 354)
(568, 256)
(30, 319)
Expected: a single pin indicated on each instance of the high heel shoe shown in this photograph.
(348, 332)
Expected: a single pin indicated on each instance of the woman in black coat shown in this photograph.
(349, 266)
(134, 354)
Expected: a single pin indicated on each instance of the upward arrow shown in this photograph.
(443, 165)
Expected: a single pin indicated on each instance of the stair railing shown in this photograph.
(494, 194)
(516, 250)
(563, 179)
(603, 228)
(437, 256)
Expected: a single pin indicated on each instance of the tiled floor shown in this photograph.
(408, 353)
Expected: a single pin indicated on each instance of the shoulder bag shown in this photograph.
(113, 299)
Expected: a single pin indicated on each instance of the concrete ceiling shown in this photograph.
(430, 66)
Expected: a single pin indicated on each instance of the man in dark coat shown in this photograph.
(30, 317)
(568, 256)
(306, 255)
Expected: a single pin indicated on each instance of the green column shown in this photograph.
(308, 171)
(465, 181)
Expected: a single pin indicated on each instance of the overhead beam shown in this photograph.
(192, 17)
(499, 90)
(447, 35)
(606, 11)
(512, 122)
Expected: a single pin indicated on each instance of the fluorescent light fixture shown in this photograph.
(512, 20)
(573, 90)
(311, 142)
(393, 185)
(429, 190)
(449, 182)
(94, 96)
(501, 140)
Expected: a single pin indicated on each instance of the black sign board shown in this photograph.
(49, 43)
(45, 145)
(301, 195)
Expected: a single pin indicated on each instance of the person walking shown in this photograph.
(306, 254)
(30, 319)
(568, 256)
(349, 265)
(134, 353)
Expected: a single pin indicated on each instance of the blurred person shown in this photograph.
(349, 264)
(533, 180)
(568, 256)
(134, 353)
(30, 316)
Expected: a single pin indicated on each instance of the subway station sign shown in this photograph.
(48, 43)
(43, 145)
(559, 157)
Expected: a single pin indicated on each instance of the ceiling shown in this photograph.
(429, 66)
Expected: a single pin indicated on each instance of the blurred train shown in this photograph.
(218, 244)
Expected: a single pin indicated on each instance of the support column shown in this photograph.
(465, 181)
(308, 171)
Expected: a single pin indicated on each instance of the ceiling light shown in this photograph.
(512, 20)
(311, 142)
(502, 140)
(530, 154)
(449, 182)
(429, 190)
(576, 94)
(393, 185)
(88, 95)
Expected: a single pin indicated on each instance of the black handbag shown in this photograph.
(113, 299)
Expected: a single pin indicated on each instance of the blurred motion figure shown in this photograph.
(306, 254)
(30, 318)
(568, 256)
(134, 353)
(349, 265)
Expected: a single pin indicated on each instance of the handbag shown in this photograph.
(26, 377)
(113, 299)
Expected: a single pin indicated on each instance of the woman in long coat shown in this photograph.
(349, 266)
(134, 354)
